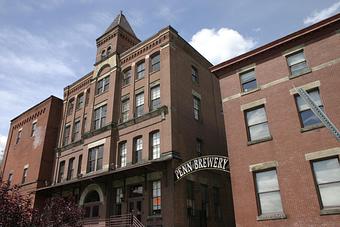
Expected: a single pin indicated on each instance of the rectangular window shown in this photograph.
(268, 192)
(155, 63)
(10, 178)
(190, 198)
(194, 75)
(257, 124)
(140, 104)
(24, 176)
(327, 177)
(61, 171)
(155, 145)
(125, 110)
(95, 159)
(199, 146)
(80, 101)
(297, 63)
(307, 117)
(66, 135)
(140, 70)
(103, 85)
(248, 80)
(99, 117)
(119, 199)
(76, 131)
(205, 200)
(126, 77)
(18, 136)
(80, 160)
(34, 129)
(138, 149)
(156, 197)
(123, 154)
(70, 106)
(217, 202)
(197, 107)
(155, 97)
(70, 169)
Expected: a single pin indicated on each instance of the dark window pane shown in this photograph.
(308, 118)
(95, 211)
(249, 85)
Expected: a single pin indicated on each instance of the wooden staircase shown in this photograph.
(124, 220)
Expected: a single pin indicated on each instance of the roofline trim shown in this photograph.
(276, 43)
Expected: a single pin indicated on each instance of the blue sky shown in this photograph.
(46, 45)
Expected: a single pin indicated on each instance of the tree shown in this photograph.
(60, 211)
(15, 208)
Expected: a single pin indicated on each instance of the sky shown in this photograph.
(47, 44)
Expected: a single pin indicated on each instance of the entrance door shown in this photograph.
(136, 207)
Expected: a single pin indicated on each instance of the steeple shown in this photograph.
(121, 21)
(117, 38)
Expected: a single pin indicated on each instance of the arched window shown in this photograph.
(91, 204)
(108, 51)
(103, 55)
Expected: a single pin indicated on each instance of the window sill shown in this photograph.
(328, 211)
(272, 216)
(259, 141)
(150, 73)
(251, 91)
(99, 94)
(125, 85)
(136, 80)
(156, 216)
(312, 127)
(301, 74)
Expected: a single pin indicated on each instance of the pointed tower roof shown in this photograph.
(121, 21)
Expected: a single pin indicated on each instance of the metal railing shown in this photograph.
(124, 220)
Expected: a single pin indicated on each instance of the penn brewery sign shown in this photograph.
(214, 162)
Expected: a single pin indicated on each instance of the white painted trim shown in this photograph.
(323, 153)
(100, 104)
(246, 68)
(253, 104)
(292, 50)
(35, 121)
(306, 87)
(97, 143)
(26, 166)
(263, 166)
(91, 187)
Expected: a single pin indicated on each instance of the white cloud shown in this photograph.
(220, 45)
(3, 140)
(323, 14)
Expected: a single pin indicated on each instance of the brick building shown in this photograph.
(284, 162)
(28, 159)
(146, 107)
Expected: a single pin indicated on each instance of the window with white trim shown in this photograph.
(307, 117)
(18, 136)
(156, 197)
(140, 70)
(297, 63)
(327, 177)
(34, 129)
(123, 153)
(248, 80)
(257, 124)
(138, 148)
(102, 85)
(197, 107)
(139, 104)
(155, 144)
(126, 77)
(125, 108)
(99, 117)
(155, 97)
(268, 192)
(66, 137)
(95, 159)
